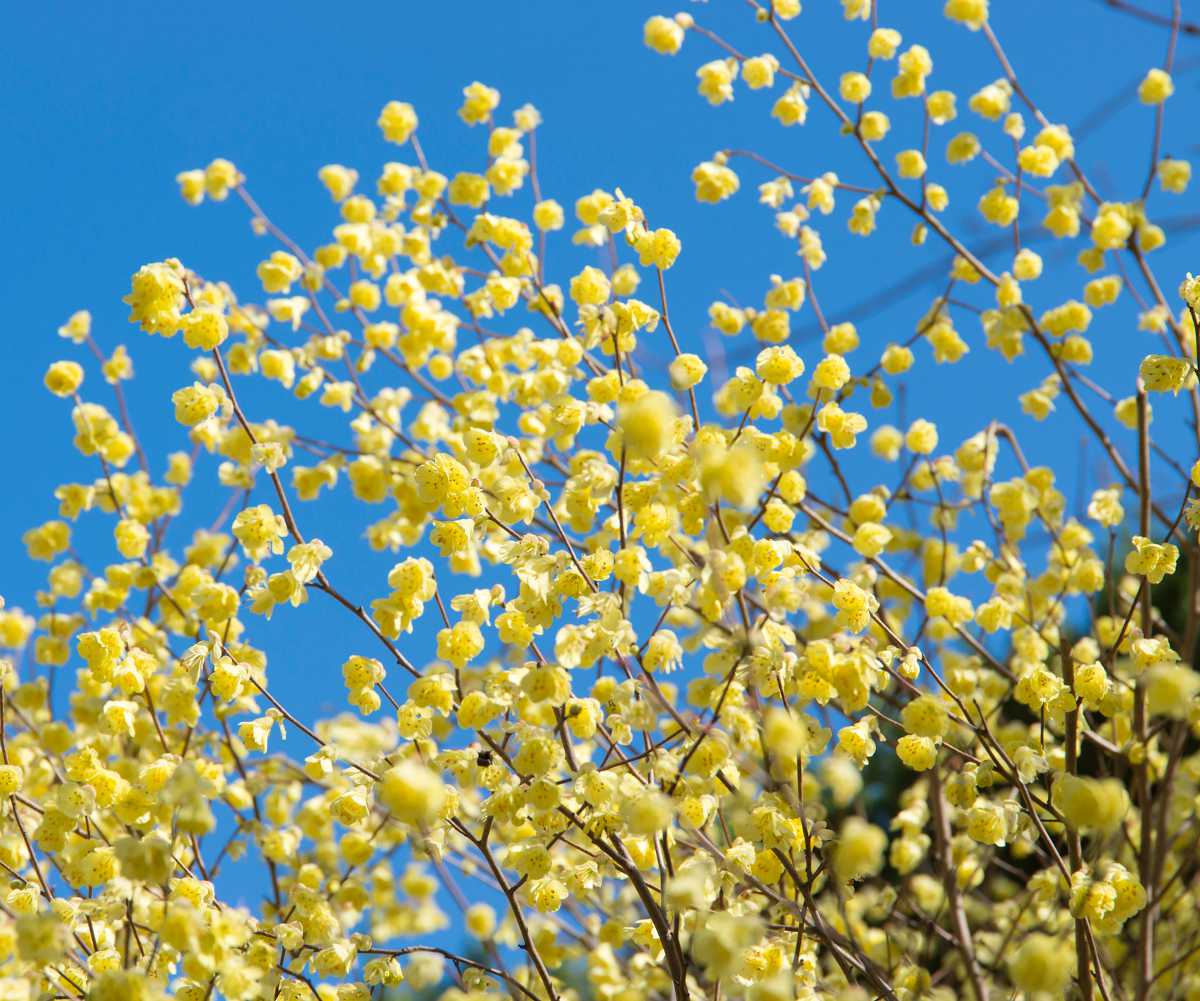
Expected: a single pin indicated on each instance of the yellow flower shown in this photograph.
(658, 248)
(279, 272)
(918, 753)
(1156, 87)
(548, 215)
(883, 43)
(910, 163)
(1041, 965)
(1091, 804)
(479, 103)
(972, 13)
(647, 426)
(1152, 560)
(63, 378)
(156, 298)
(412, 793)
(219, 176)
(205, 328)
(714, 182)
(338, 180)
(260, 530)
(191, 186)
(854, 87)
(398, 121)
(921, 437)
(1163, 373)
(859, 850)
(716, 80)
(759, 71)
(1173, 175)
(663, 34)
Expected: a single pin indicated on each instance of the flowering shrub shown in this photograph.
(676, 630)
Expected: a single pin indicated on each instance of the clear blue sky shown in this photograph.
(107, 102)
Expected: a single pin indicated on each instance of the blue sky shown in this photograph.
(106, 103)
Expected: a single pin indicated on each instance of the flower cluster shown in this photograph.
(719, 676)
